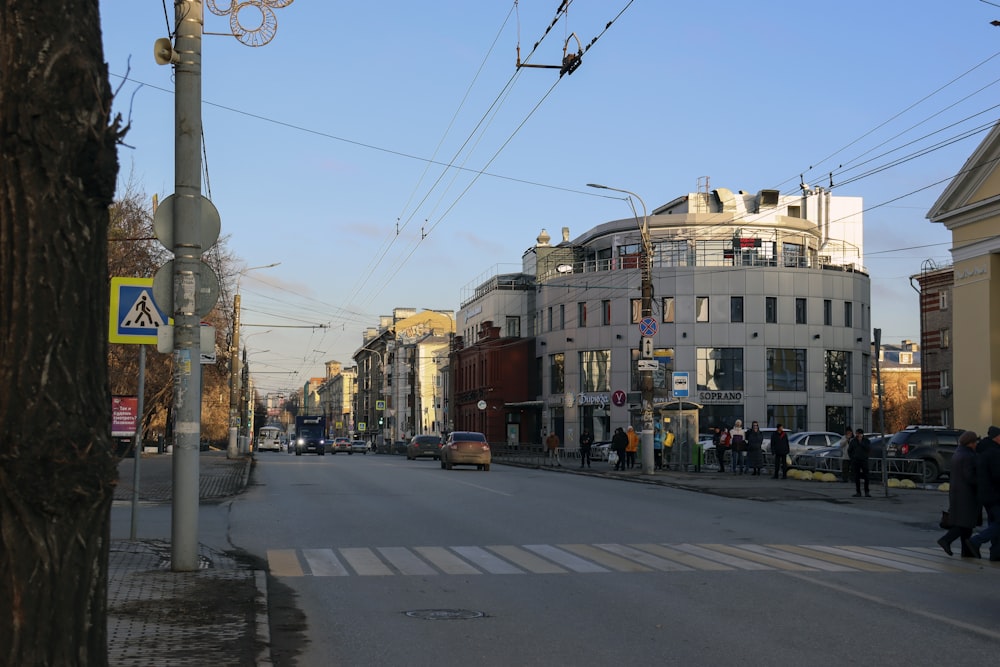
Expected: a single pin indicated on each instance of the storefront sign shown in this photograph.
(600, 400)
(720, 396)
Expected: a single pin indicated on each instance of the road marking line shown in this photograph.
(564, 558)
(406, 561)
(746, 551)
(605, 558)
(644, 557)
(487, 561)
(283, 563)
(782, 552)
(365, 562)
(704, 552)
(324, 563)
(968, 564)
(528, 561)
(858, 555)
(446, 561)
(694, 562)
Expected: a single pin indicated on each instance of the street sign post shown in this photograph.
(680, 382)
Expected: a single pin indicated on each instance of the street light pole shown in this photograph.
(645, 376)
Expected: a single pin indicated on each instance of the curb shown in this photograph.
(263, 630)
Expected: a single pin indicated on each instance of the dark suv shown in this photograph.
(934, 445)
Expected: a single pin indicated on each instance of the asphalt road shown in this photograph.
(379, 560)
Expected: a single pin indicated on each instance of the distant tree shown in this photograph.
(58, 167)
(900, 409)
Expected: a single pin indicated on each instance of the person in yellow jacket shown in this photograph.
(633, 447)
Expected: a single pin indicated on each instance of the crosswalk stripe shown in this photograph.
(839, 563)
(406, 561)
(564, 558)
(935, 554)
(744, 551)
(941, 565)
(284, 563)
(487, 561)
(738, 563)
(694, 562)
(605, 558)
(446, 561)
(526, 560)
(324, 563)
(858, 555)
(365, 562)
(779, 552)
(644, 557)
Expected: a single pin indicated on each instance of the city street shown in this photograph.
(379, 560)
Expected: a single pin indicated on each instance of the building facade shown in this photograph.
(762, 300)
(936, 396)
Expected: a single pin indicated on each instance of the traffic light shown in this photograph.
(379, 421)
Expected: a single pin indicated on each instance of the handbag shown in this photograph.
(945, 522)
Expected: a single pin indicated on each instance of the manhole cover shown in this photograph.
(444, 614)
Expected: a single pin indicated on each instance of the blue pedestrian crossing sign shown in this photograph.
(134, 316)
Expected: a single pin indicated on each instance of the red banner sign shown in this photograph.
(124, 410)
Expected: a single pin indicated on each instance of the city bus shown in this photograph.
(270, 438)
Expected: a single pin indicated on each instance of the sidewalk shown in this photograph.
(216, 616)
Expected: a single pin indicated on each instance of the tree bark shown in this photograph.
(58, 167)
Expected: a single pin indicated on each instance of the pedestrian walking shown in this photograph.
(738, 446)
(633, 447)
(552, 444)
(720, 449)
(668, 445)
(780, 450)
(619, 443)
(586, 441)
(859, 449)
(845, 460)
(658, 447)
(755, 449)
(988, 493)
(963, 504)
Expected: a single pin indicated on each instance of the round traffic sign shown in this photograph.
(648, 326)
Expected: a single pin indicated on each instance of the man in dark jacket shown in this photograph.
(586, 440)
(779, 447)
(858, 449)
(988, 488)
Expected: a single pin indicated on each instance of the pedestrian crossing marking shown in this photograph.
(284, 563)
(605, 558)
(526, 560)
(838, 563)
(608, 558)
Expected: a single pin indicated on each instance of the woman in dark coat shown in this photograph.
(619, 443)
(755, 449)
(963, 506)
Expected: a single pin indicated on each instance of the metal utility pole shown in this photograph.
(645, 376)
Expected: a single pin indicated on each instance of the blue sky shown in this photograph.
(327, 147)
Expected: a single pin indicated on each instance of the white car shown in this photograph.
(807, 441)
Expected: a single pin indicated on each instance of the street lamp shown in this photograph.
(646, 376)
(234, 363)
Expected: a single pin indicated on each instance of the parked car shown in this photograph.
(804, 441)
(933, 445)
(358, 447)
(466, 448)
(828, 459)
(424, 445)
(399, 447)
(340, 444)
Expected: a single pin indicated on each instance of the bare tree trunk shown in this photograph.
(58, 167)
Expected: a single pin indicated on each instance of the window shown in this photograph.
(562, 316)
(800, 311)
(943, 299)
(905, 358)
(911, 389)
(793, 254)
(791, 417)
(513, 326)
(668, 309)
(944, 377)
(771, 309)
(827, 312)
(671, 253)
(636, 310)
(848, 314)
(866, 372)
(735, 309)
(701, 308)
(606, 311)
(945, 338)
(557, 372)
(595, 370)
(794, 212)
(786, 370)
(720, 369)
(838, 371)
(581, 313)
(838, 418)
(550, 318)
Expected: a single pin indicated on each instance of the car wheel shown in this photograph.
(931, 472)
(447, 466)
